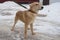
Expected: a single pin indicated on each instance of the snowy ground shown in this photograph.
(47, 28)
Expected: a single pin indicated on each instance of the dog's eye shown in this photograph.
(36, 4)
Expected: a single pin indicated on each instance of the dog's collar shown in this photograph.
(32, 11)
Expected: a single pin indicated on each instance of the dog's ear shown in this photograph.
(34, 3)
(31, 4)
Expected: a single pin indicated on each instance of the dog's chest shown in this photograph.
(30, 17)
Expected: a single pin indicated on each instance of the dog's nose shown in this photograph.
(42, 7)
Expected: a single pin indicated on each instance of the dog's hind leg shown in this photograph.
(31, 27)
(15, 21)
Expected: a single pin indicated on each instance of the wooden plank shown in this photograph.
(45, 2)
(21, 1)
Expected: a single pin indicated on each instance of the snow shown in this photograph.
(10, 5)
(48, 25)
(53, 12)
(52, 20)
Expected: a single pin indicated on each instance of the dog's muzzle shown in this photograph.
(41, 8)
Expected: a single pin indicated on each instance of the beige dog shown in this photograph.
(28, 17)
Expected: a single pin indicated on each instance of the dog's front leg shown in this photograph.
(31, 26)
(25, 29)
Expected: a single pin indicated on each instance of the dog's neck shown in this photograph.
(32, 11)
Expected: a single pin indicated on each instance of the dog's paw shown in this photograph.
(33, 33)
(12, 29)
(25, 37)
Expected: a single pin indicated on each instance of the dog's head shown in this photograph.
(36, 6)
